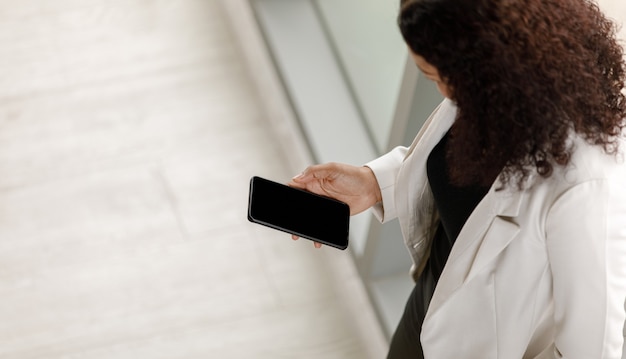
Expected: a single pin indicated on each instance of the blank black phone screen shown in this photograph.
(299, 212)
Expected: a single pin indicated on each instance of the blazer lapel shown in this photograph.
(501, 232)
(418, 205)
(487, 232)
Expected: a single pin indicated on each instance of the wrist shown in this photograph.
(372, 184)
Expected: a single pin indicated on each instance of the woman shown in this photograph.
(512, 198)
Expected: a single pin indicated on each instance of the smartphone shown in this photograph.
(299, 212)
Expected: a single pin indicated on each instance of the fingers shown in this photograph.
(315, 244)
(307, 180)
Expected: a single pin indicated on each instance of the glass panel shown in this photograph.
(372, 54)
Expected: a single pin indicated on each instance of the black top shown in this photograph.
(454, 204)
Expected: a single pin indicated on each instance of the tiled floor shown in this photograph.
(128, 133)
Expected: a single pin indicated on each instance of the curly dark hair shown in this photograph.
(524, 74)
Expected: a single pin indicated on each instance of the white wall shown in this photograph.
(616, 10)
(372, 54)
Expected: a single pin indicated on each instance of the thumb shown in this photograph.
(315, 172)
(303, 177)
(299, 177)
(299, 181)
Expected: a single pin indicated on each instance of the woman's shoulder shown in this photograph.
(591, 173)
(589, 162)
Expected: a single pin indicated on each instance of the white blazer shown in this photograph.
(536, 273)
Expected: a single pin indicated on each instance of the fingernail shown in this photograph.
(298, 176)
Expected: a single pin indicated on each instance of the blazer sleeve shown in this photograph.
(386, 169)
(586, 243)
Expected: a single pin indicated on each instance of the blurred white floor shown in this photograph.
(128, 132)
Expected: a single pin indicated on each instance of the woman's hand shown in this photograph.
(356, 186)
